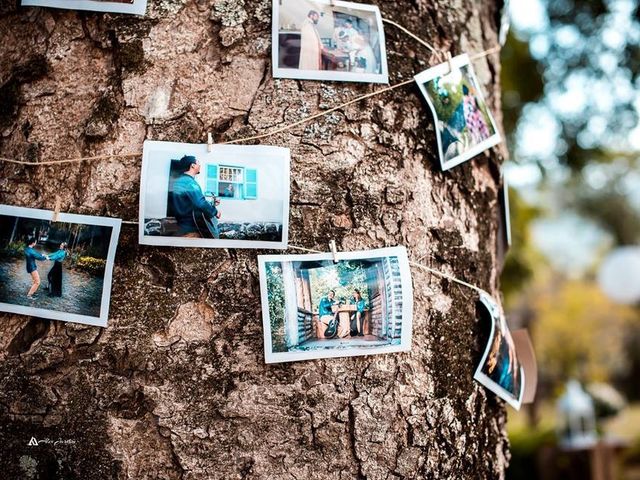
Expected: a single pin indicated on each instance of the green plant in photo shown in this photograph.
(342, 278)
(275, 295)
(445, 97)
(14, 249)
(94, 266)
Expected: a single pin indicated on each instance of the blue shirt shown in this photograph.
(325, 306)
(31, 256)
(187, 198)
(457, 120)
(58, 256)
(360, 304)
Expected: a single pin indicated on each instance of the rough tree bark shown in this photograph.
(176, 386)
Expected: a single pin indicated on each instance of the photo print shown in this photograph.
(235, 196)
(137, 7)
(504, 221)
(464, 125)
(500, 369)
(328, 40)
(59, 270)
(313, 307)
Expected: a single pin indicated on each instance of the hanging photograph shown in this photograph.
(60, 270)
(506, 210)
(235, 196)
(313, 307)
(464, 125)
(504, 221)
(500, 369)
(328, 40)
(136, 7)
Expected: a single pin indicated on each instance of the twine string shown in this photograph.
(431, 48)
(415, 37)
(269, 133)
(412, 263)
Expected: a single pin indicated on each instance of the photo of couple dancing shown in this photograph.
(137, 7)
(56, 269)
(54, 288)
(325, 40)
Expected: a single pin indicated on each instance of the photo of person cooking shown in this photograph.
(321, 39)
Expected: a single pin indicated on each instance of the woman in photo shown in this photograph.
(31, 255)
(473, 117)
(55, 274)
(358, 316)
(365, 59)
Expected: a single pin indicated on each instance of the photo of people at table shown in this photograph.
(318, 307)
(328, 41)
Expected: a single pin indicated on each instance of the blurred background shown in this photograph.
(571, 97)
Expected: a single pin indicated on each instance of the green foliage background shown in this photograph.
(350, 274)
(454, 90)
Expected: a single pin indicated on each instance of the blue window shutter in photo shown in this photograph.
(250, 184)
(212, 179)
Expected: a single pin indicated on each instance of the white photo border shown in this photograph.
(39, 214)
(506, 209)
(407, 305)
(138, 7)
(325, 75)
(440, 70)
(200, 151)
(484, 379)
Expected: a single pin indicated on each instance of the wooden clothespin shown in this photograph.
(450, 69)
(56, 209)
(209, 142)
(334, 250)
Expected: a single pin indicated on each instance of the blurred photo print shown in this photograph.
(328, 40)
(136, 7)
(235, 196)
(464, 125)
(313, 307)
(59, 270)
(500, 369)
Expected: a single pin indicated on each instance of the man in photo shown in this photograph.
(189, 201)
(325, 308)
(310, 43)
(31, 255)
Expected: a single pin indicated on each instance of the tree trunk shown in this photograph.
(176, 386)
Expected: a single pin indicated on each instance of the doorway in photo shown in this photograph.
(317, 308)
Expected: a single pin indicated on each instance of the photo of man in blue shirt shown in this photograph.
(188, 199)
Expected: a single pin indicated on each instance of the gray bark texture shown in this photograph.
(176, 387)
